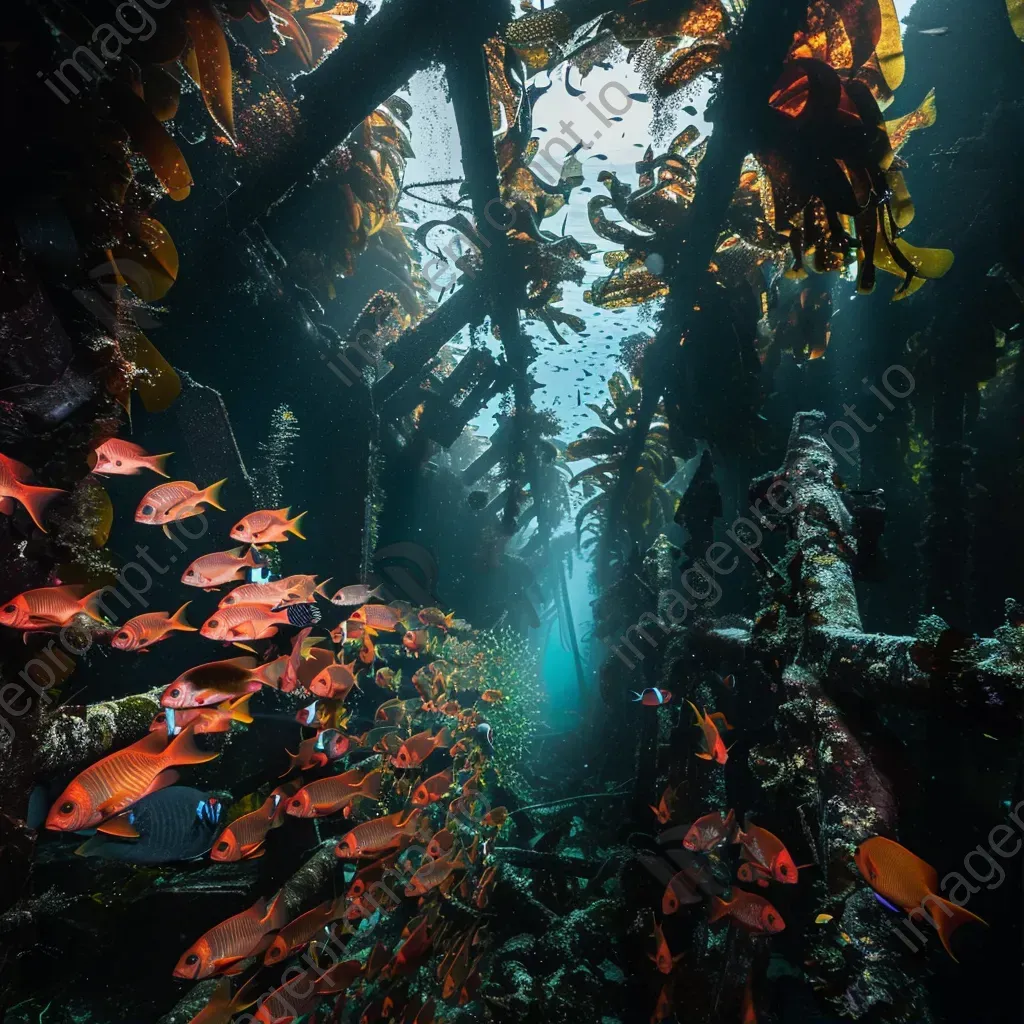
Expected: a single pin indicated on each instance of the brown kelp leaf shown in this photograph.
(890, 46)
(160, 384)
(212, 63)
(685, 66)
(148, 260)
(289, 29)
(503, 96)
(325, 33)
(149, 137)
(924, 116)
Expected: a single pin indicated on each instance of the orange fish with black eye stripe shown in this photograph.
(714, 747)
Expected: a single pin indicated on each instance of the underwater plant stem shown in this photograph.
(570, 625)
(750, 71)
(567, 800)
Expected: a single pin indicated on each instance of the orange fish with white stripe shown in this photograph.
(117, 781)
(13, 488)
(145, 630)
(47, 607)
(116, 457)
(267, 527)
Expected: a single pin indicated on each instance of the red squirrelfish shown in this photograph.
(218, 568)
(244, 837)
(335, 682)
(436, 617)
(217, 681)
(416, 749)
(223, 1005)
(299, 931)
(666, 806)
(753, 912)
(145, 630)
(355, 594)
(662, 956)
(679, 892)
(47, 607)
(378, 835)
(416, 641)
(328, 796)
(767, 850)
(216, 718)
(379, 617)
(276, 594)
(339, 977)
(911, 884)
(663, 1007)
(714, 746)
(122, 458)
(13, 488)
(244, 622)
(267, 527)
(432, 789)
(220, 950)
(710, 830)
(117, 781)
(432, 873)
(180, 499)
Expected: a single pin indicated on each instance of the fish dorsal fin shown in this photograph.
(119, 826)
(152, 743)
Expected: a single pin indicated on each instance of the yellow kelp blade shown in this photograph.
(148, 262)
(97, 511)
(890, 46)
(161, 385)
(928, 264)
(211, 62)
(925, 116)
(1015, 8)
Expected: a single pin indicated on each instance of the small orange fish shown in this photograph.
(180, 499)
(244, 837)
(223, 1005)
(708, 831)
(215, 682)
(207, 719)
(663, 957)
(122, 458)
(751, 872)
(432, 873)
(147, 629)
(666, 805)
(252, 622)
(753, 912)
(714, 747)
(117, 781)
(495, 818)
(218, 568)
(267, 527)
(367, 652)
(911, 884)
(339, 977)
(334, 682)
(276, 594)
(492, 696)
(299, 931)
(416, 749)
(416, 641)
(378, 835)
(47, 607)
(388, 679)
(331, 795)
(679, 892)
(436, 617)
(224, 946)
(13, 488)
(432, 789)
(663, 1007)
(380, 617)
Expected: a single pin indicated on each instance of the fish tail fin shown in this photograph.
(277, 913)
(719, 908)
(158, 463)
(637, 696)
(212, 494)
(319, 589)
(293, 526)
(947, 917)
(36, 499)
(370, 786)
(695, 711)
(239, 709)
(250, 558)
(178, 620)
(183, 750)
(90, 848)
(92, 604)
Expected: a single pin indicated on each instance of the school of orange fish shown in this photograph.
(438, 842)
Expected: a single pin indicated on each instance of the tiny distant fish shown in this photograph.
(416, 749)
(416, 641)
(714, 746)
(652, 697)
(939, 31)
(173, 824)
(662, 957)
(358, 593)
(145, 630)
(122, 458)
(640, 97)
(267, 527)
(753, 912)
(708, 831)
(244, 837)
(691, 110)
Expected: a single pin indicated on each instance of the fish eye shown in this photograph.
(771, 918)
(783, 869)
(122, 635)
(212, 623)
(191, 959)
(190, 572)
(118, 463)
(175, 692)
(239, 528)
(10, 609)
(222, 845)
(147, 510)
(67, 807)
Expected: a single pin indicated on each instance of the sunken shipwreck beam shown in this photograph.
(751, 69)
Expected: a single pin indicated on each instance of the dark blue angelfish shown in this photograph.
(173, 824)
